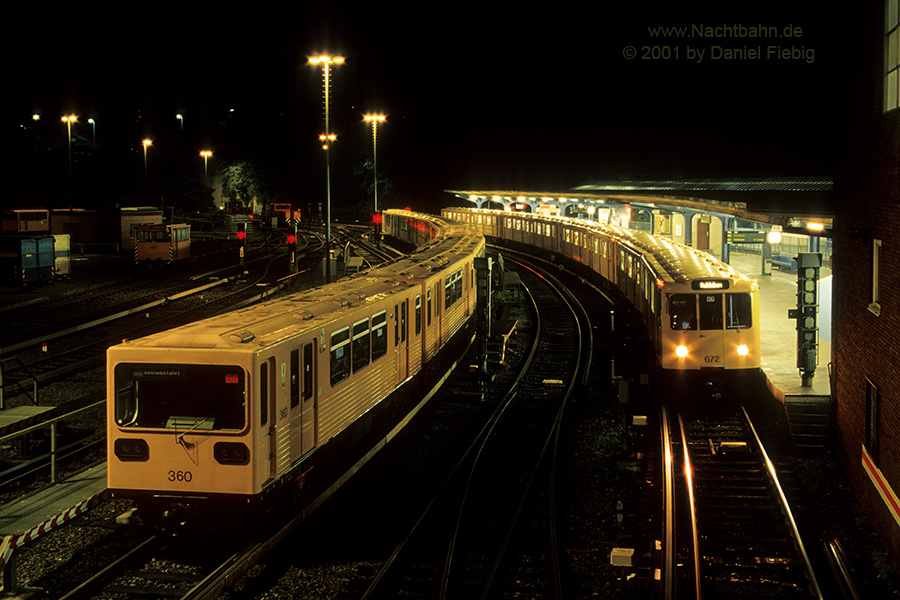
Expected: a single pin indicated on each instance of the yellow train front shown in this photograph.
(269, 404)
(702, 316)
(162, 244)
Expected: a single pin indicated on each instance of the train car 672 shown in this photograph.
(271, 403)
(701, 315)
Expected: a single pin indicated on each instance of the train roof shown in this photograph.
(266, 324)
(671, 260)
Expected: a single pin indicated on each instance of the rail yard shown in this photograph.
(565, 420)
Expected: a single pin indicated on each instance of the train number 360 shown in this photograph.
(711, 358)
(185, 476)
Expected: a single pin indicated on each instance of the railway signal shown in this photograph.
(376, 224)
(242, 236)
(806, 313)
(292, 250)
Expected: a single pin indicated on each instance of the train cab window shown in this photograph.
(418, 316)
(710, 311)
(379, 335)
(340, 355)
(180, 397)
(360, 345)
(683, 311)
(738, 311)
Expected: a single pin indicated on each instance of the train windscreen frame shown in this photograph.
(180, 397)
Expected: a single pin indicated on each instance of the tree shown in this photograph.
(240, 181)
(245, 182)
(191, 196)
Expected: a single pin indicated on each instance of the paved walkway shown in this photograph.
(778, 294)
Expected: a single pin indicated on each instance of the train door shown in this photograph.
(267, 415)
(702, 235)
(309, 402)
(711, 321)
(401, 339)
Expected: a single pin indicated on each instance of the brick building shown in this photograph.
(866, 351)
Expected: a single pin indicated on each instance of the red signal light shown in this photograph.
(377, 218)
(241, 235)
(291, 238)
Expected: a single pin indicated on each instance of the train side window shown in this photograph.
(428, 307)
(379, 335)
(340, 355)
(307, 371)
(683, 311)
(295, 378)
(710, 311)
(738, 311)
(418, 314)
(360, 346)
(263, 393)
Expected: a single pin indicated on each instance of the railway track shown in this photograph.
(736, 535)
(491, 529)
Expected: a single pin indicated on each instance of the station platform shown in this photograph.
(54, 505)
(777, 295)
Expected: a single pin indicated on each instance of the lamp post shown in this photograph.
(205, 154)
(93, 130)
(375, 120)
(326, 62)
(180, 121)
(146, 142)
(68, 120)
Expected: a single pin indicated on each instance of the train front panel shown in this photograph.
(710, 324)
(178, 428)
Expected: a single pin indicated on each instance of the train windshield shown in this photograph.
(180, 397)
(152, 235)
(683, 311)
(706, 311)
(738, 311)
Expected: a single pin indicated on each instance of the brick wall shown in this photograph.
(867, 187)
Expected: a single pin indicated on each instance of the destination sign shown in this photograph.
(710, 284)
(745, 237)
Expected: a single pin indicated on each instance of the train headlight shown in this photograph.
(743, 350)
(681, 351)
(231, 453)
(131, 449)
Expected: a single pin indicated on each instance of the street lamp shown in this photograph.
(205, 154)
(180, 121)
(93, 130)
(375, 120)
(68, 120)
(146, 142)
(326, 62)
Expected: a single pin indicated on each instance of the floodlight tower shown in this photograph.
(326, 62)
(375, 120)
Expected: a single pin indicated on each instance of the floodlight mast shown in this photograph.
(326, 61)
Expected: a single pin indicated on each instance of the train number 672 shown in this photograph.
(185, 476)
(711, 358)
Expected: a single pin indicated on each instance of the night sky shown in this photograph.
(536, 99)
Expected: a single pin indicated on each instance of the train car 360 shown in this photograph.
(701, 315)
(269, 404)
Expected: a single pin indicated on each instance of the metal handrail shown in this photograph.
(52, 424)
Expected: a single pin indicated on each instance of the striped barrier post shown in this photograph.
(18, 540)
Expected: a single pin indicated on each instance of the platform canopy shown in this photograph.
(790, 202)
